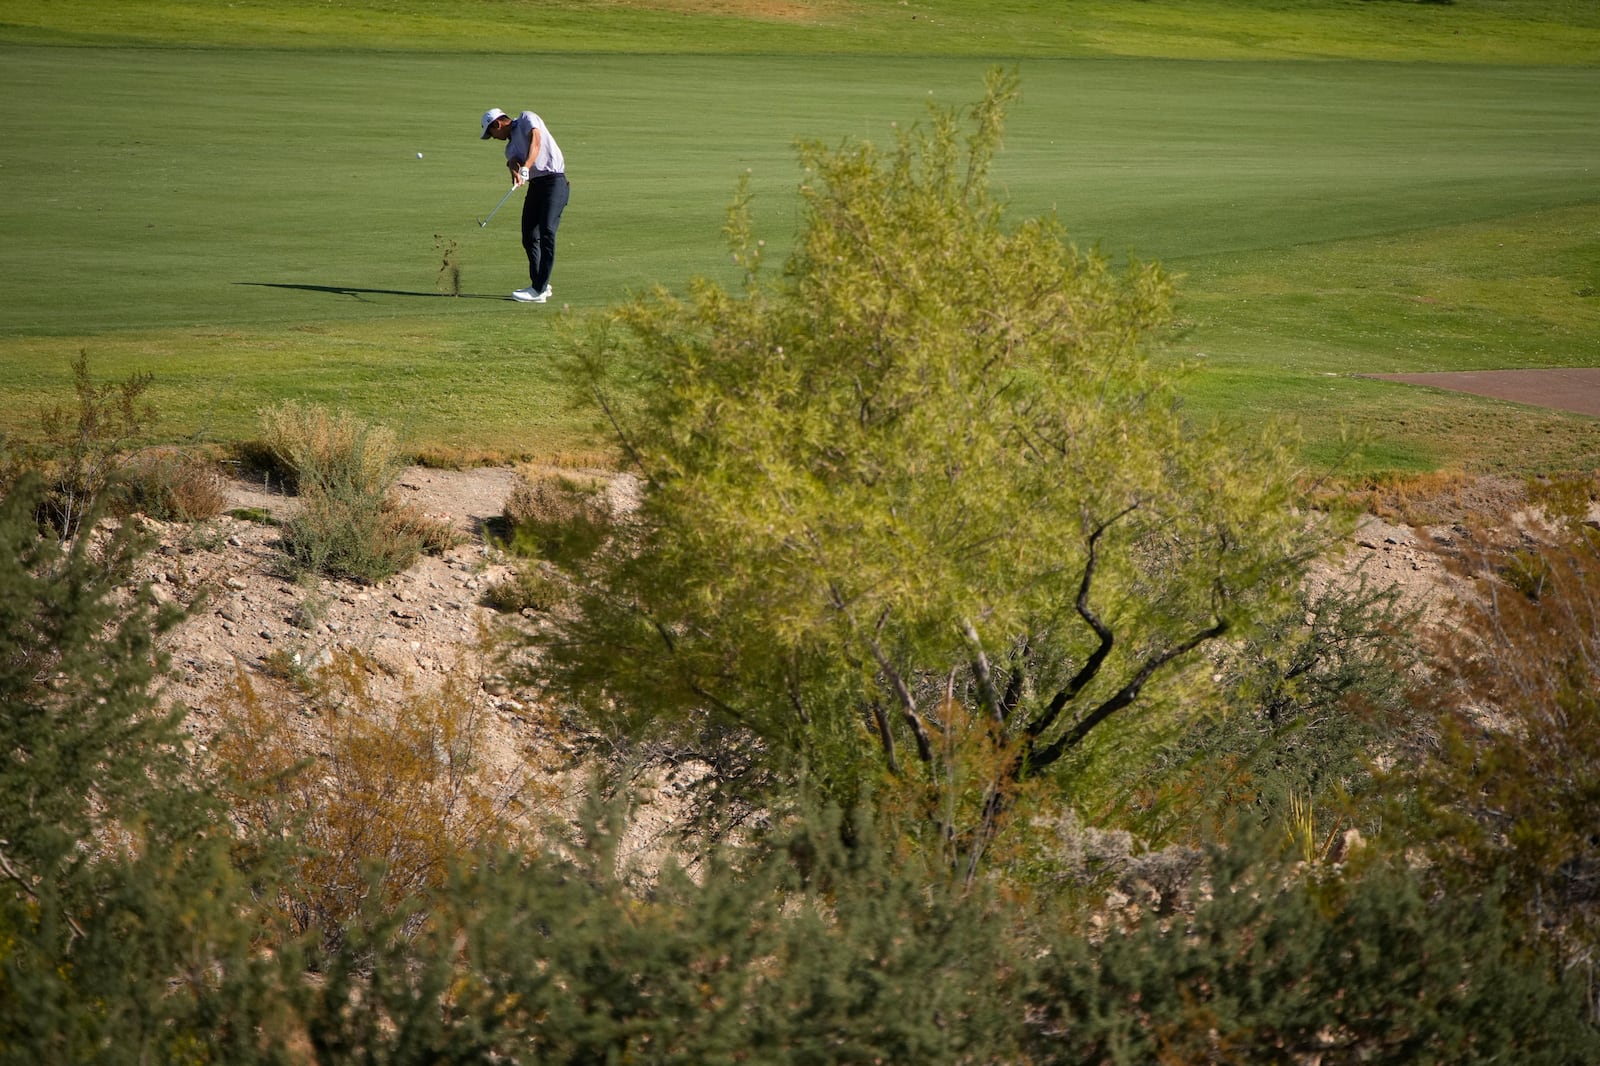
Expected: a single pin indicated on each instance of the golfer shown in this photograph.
(534, 159)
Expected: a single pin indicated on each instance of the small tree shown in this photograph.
(123, 927)
(934, 465)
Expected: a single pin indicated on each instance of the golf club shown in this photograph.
(485, 221)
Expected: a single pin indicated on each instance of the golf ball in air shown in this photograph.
(419, 155)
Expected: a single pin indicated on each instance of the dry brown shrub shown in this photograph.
(432, 535)
(450, 457)
(381, 800)
(541, 497)
(559, 517)
(1513, 779)
(331, 447)
(438, 456)
(173, 486)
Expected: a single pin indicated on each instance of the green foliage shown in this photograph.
(561, 518)
(120, 931)
(135, 926)
(816, 944)
(343, 468)
(933, 466)
(1310, 699)
(83, 748)
(804, 950)
(526, 588)
(347, 534)
(1273, 966)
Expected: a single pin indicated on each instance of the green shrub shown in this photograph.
(816, 942)
(343, 469)
(126, 933)
(525, 588)
(1312, 698)
(803, 951)
(1275, 966)
(358, 538)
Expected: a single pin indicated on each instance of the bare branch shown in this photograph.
(1124, 696)
(15, 875)
(1020, 658)
(980, 672)
(885, 737)
(1097, 658)
(908, 706)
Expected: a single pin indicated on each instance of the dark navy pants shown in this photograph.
(541, 213)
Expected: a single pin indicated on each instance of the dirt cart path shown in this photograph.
(1567, 389)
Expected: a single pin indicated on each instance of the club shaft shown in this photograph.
(501, 204)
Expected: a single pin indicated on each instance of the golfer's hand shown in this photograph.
(518, 174)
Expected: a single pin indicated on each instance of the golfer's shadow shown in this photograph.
(361, 294)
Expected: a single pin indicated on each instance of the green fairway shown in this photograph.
(1493, 31)
(254, 224)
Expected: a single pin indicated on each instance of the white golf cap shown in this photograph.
(488, 117)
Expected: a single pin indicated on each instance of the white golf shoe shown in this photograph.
(529, 296)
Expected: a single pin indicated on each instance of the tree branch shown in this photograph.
(1123, 696)
(980, 672)
(616, 427)
(1097, 658)
(885, 737)
(1020, 658)
(908, 706)
(15, 875)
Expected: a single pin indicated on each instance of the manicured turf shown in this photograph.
(253, 224)
(1494, 31)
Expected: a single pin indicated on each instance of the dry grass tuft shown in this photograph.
(173, 486)
(328, 448)
(1439, 498)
